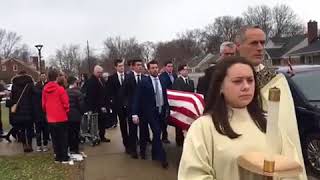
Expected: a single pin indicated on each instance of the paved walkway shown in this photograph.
(109, 162)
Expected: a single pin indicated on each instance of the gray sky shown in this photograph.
(57, 22)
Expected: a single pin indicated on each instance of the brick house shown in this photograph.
(311, 53)
(10, 67)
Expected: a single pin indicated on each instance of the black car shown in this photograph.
(304, 82)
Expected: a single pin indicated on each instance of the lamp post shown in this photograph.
(39, 47)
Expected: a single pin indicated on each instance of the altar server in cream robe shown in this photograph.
(233, 124)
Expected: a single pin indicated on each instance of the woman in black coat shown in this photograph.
(22, 119)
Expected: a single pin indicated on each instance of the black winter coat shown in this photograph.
(96, 95)
(24, 113)
(39, 115)
(76, 102)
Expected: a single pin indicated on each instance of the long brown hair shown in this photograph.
(217, 107)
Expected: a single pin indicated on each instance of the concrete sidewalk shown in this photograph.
(109, 162)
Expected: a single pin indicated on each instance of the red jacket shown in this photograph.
(55, 102)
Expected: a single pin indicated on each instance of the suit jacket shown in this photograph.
(130, 86)
(144, 104)
(117, 91)
(165, 78)
(96, 96)
(204, 82)
(180, 84)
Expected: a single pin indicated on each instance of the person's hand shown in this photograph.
(135, 119)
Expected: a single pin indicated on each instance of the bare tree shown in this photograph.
(23, 52)
(8, 43)
(181, 51)
(286, 21)
(261, 16)
(68, 59)
(148, 50)
(117, 48)
(227, 26)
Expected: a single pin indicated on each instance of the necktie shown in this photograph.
(121, 78)
(138, 78)
(186, 81)
(158, 94)
(171, 78)
(101, 82)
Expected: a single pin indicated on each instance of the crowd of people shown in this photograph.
(235, 91)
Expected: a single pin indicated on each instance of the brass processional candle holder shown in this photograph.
(269, 165)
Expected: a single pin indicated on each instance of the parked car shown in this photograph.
(304, 82)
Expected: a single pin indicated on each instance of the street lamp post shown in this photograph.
(39, 47)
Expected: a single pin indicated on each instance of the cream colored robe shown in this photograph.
(208, 155)
(287, 115)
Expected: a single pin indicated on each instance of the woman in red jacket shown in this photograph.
(55, 103)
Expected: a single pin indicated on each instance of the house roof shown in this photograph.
(312, 48)
(205, 62)
(287, 44)
(20, 62)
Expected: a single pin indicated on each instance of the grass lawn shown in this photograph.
(35, 166)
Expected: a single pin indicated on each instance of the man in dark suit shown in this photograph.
(226, 49)
(182, 83)
(96, 98)
(150, 106)
(119, 100)
(167, 77)
(130, 85)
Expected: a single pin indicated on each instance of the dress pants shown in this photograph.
(73, 136)
(179, 136)
(42, 132)
(59, 135)
(158, 152)
(143, 133)
(164, 126)
(124, 126)
(102, 124)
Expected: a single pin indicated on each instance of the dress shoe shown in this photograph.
(166, 141)
(179, 144)
(127, 150)
(164, 165)
(143, 156)
(105, 140)
(134, 155)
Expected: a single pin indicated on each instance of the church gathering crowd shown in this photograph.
(233, 123)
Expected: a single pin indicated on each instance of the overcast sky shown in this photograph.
(57, 22)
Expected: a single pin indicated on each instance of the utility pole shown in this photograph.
(88, 56)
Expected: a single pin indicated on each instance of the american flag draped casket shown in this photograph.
(185, 107)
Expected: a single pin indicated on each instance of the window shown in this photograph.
(309, 83)
(4, 68)
(15, 68)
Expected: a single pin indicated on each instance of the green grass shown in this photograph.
(33, 167)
